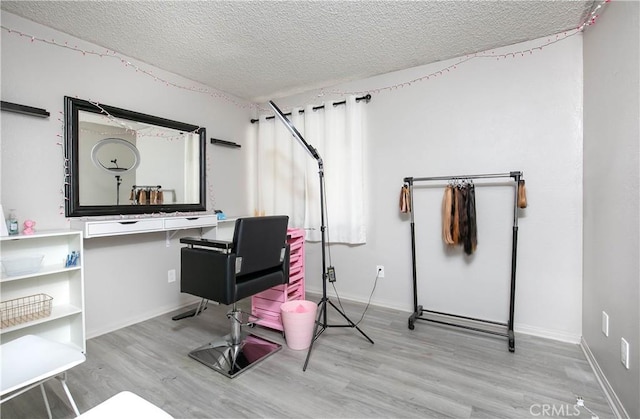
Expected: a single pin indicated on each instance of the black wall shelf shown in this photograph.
(225, 143)
(23, 109)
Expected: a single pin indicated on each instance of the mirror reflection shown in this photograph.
(104, 155)
(123, 162)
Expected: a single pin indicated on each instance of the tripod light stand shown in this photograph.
(321, 322)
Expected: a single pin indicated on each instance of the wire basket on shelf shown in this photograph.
(25, 309)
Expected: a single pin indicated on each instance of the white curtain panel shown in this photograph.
(287, 179)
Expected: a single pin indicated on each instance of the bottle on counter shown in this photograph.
(12, 223)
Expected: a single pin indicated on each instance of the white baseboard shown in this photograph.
(558, 335)
(317, 294)
(142, 317)
(610, 394)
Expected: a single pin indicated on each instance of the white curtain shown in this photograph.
(286, 176)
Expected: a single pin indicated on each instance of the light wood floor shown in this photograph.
(432, 371)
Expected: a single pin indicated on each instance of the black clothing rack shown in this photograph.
(465, 322)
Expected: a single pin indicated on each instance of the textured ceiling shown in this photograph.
(259, 50)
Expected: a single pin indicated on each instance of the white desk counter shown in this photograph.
(115, 227)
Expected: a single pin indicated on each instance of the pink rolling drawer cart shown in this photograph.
(266, 305)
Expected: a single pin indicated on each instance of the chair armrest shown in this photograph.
(216, 244)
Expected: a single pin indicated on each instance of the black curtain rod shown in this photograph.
(366, 98)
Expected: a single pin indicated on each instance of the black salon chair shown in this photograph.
(227, 272)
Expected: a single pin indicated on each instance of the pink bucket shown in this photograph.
(298, 319)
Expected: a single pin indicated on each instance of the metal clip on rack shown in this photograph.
(465, 322)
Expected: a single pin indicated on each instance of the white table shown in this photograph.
(29, 361)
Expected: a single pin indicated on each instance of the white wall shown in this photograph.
(612, 195)
(486, 116)
(126, 277)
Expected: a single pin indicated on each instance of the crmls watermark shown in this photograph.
(554, 410)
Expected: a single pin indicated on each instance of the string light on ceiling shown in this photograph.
(112, 54)
(589, 21)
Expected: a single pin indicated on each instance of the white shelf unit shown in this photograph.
(66, 324)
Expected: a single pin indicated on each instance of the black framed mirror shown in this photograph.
(126, 162)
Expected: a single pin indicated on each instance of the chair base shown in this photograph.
(231, 359)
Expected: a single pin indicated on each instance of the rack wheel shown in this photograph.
(411, 325)
(512, 344)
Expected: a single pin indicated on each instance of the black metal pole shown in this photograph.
(118, 182)
(322, 305)
(323, 234)
(463, 177)
(413, 247)
(514, 254)
(417, 310)
(413, 258)
(321, 326)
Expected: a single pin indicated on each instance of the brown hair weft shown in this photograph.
(447, 201)
(458, 215)
(471, 237)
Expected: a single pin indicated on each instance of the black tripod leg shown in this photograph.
(321, 309)
(351, 324)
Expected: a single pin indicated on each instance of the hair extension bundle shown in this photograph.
(405, 199)
(471, 240)
(457, 214)
(142, 197)
(447, 201)
(464, 217)
(522, 194)
(453, 213)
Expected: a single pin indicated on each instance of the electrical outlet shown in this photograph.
(171, 275)
(624, 353)
(605, 324)
(380, 271)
